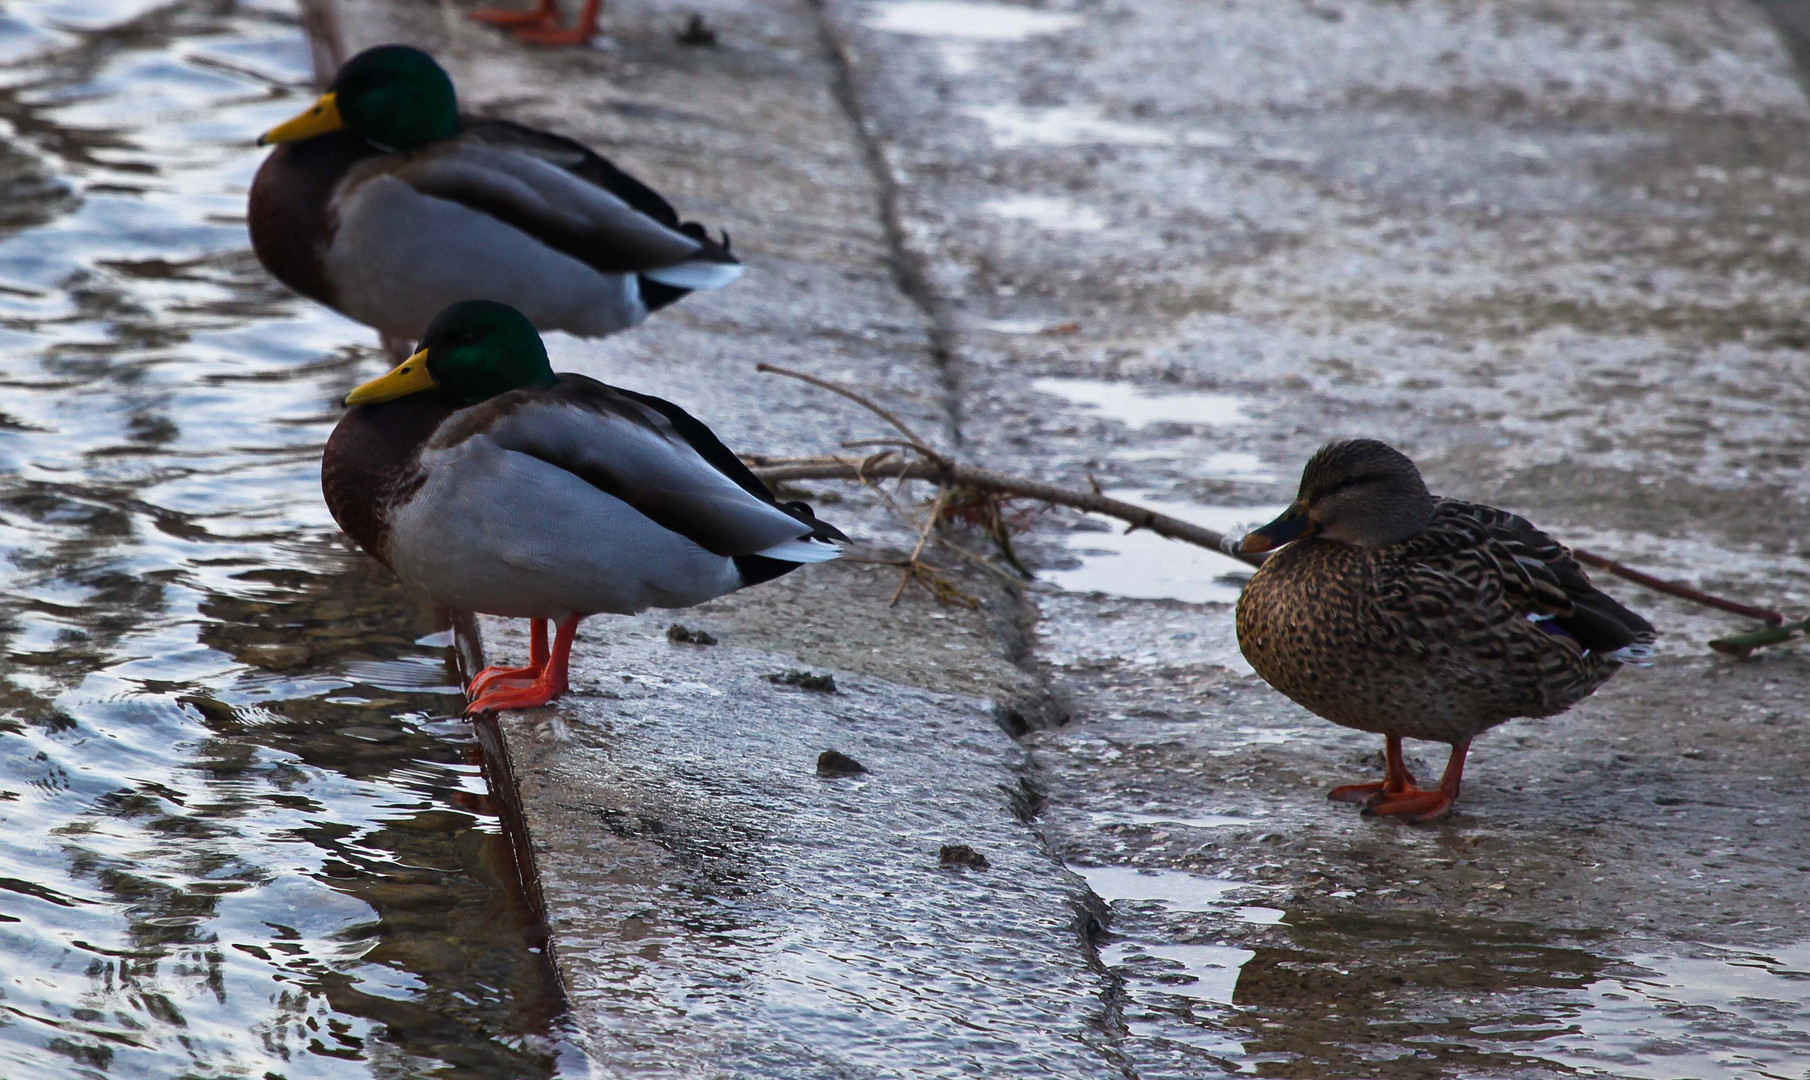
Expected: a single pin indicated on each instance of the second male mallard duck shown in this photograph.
(1418, 617)
(491, 484)
(387, 205)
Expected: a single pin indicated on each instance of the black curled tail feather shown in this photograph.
(820, 530)
(658, 294)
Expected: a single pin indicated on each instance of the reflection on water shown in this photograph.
(1143, 565)
(969, 21)
(1047, 212)
(1349, 995)
(1738, 1014)
(1129, 404)
(236, 839)
(1011, 127)
(1355, 995)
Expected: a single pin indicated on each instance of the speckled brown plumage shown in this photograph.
(1474, 619)
(1428, 638)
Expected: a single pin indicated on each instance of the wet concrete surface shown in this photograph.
(1554, 252)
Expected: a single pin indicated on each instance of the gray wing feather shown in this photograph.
(554, 206)
(631, 452)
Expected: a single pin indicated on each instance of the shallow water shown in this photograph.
(1143, 565)
(241, 834)
(969, 21)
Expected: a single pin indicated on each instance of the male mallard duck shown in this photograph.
(491, 484)
(539, 25)
(385, 204)
(1418, 617)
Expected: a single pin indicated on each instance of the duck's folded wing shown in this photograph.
(1543, 576)
(556, 206)
(626, 449)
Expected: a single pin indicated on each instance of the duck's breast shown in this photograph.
(371, 465)
(289, 213)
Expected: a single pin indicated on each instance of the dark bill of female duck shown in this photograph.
(1292, 524)
(492, 484)
(383, 202)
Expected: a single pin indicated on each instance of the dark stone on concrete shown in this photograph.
(816, 682)
(836, 763)
(697, 33)
(679, 634)
(960, 855)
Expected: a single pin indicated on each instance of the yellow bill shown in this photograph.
(409, 377)
(317, 119)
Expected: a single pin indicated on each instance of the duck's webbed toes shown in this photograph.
(1357, 793)
(483, 680)
(499, 698)
(541, 14)
(553, 35)
(1412, 805)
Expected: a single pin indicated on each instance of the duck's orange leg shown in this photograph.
(543, 13)
(1415, 805)
(549, 684)
(1396, 778)
(537, 659)
(580, 32)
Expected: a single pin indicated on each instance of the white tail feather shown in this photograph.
(803, 550)
(1639, 654)
(698, 274)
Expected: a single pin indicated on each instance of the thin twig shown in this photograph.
(1138, 517)
(867, 403)
(1673, 588)
(911, 561)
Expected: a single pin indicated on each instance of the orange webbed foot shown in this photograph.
(1413, 805)
(1396, 779)
(551, 36)
(1356, 793)
(541, 14)
(532, 696)
(483, 679)
(549, 674)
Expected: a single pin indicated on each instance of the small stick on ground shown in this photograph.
(911, 561)
(1673, 588)
(904, 429)
(1138, 517)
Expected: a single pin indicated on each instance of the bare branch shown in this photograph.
(904, 429)
(1138, 517)
(1673, 588)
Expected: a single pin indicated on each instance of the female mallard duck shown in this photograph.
(488, 482)
(385, 204)
(1418, 617)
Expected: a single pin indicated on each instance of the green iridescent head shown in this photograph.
(393, 96)
(472, 351)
